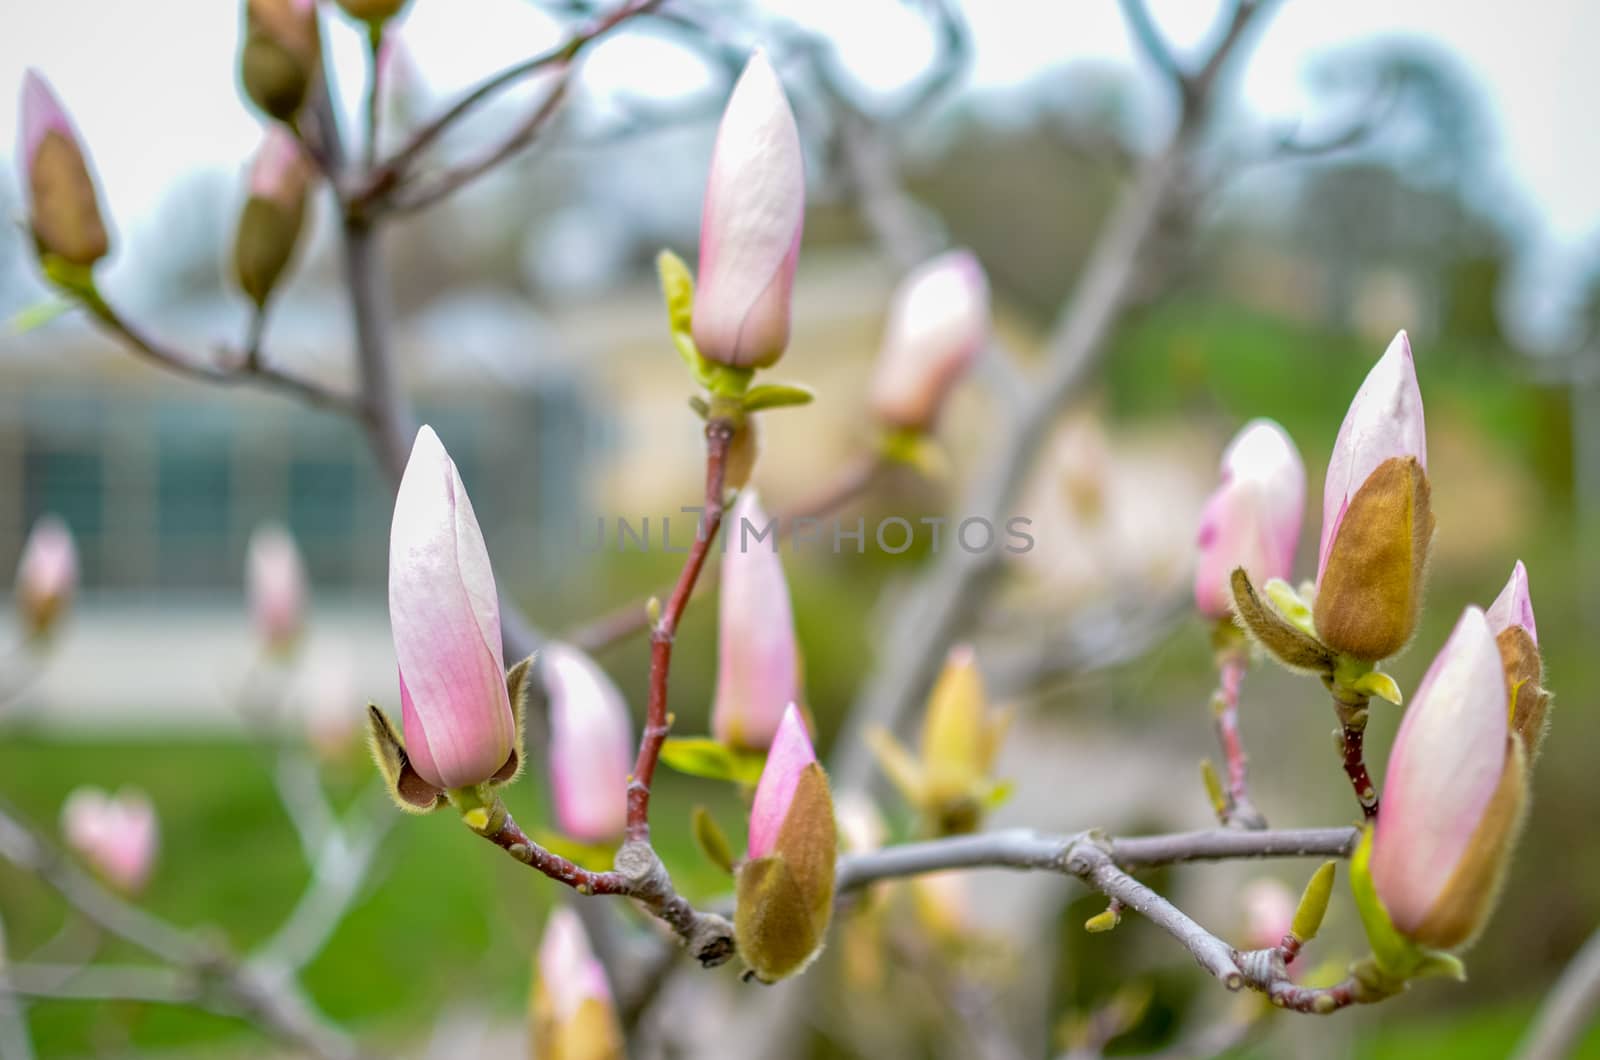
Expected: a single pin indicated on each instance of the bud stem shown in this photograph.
(1352, 711)
(1240, 811)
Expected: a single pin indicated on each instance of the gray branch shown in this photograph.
(1569, 1009)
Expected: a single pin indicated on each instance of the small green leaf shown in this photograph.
(1103, 921)
(916, 450)
(1377, 683)
(677, 290)
(1314, 903)
(776, 396)
(1290, 604)
(1437, 965)
(711, 839)
(37, 316)
(1214, 792)
(701, 756)
(999, 794)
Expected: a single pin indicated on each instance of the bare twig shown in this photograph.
(1351, 734)
(15, 1043)
(1568, 1010)
(1241, 812)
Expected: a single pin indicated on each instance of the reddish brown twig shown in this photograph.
(1352, 739)
(719, 434)
(1241, 811)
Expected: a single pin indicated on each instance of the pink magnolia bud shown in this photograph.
(276, 581)
(445, 616)
(1453, 795)
(572, 1010)
(331, 707)
(757, 661)
(47, 575)
(1253, 519)
(280, 53)
(116, 835)
(1377, 521)
(791, 753)
(591, 745)
(750, 225)
(938, 325)
(1511, 620)
(1269, 907)
(1513, 608)
(63, 204)
(272, 218)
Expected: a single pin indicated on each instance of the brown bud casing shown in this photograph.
(268, 233)
(591, 1033)
(785, 900)
(281, 53)
(66, 210)
(1371, 588)
(372, 10)
(1530, 703)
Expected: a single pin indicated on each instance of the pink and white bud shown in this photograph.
(47, 575)
(276, 583)
(591, 745)
(938, 325)
(791, 753)
(1385, 421)
(1452, 795)
(750, 225)
(758, 665)
(331, 707)
(1269, 907)
(1253, 518)
(572, 1011)
(445, 617)
(1513, 608)
(63, 202)
(116, 835)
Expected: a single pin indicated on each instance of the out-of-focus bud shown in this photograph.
(1269, 907)
(63, 205)
(571, 1013)
(743, 450)
(785, 889)
(330, 708)
(280, 56)
(591, 746)
(372, 10)
(951, 781)
(942, 902)
(116, 835)
(758, 665)
(938, 325)
(47, 576)
(860, 825)
(276, 580)
(1511, 622)
(1253, 519)
(1376, 520)
(269, 225)
(750, 225)
(1453, 797)
(460, 728)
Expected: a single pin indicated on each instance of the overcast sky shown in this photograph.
(151, 84)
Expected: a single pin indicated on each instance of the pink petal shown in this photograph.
(757, 659)
(276, 581)
(48, 568)
(42, 114)
(1445, 766)
(568, 969)
(791, 753)
(938, 324)
(1514, 605)
(591, 745)
(1253, 518)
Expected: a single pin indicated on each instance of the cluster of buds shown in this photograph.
(275, 580)
(758, 660)
(273, 215)
(938, 325)
(281, 55)
(951, 781)
(591, 744)
(47, 577)
(785, 886)
(116, 835)
(571, 1012)
(63, 204)
(460, 710)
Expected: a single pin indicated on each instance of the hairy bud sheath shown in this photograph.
(785, 889)
(750, 225)
(116, 835)
(758, 662)
(591, 745)
(571, 1013)
(372, 10)
(63, 203)
(1453, 797)
(938, 325)
(47, 576)
(1377, 523)
(280, 56)
(276, 583)
(1253, 518)
(273, 215)
(1512, 623)
(459, 727)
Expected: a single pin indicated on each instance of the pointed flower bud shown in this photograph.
(276, 579)
(758, 666)
(63, 204)
(459, 727)
(1376, 520)
(1269, 907)
(116, 835)
(785, 889)
(1452, 801)
(938, 325)
(47, 575)
(1253, 519)
(571, 1011)
(750, 225)
(281, 53)
(591, 746)
(1511, 622)
(273, 215)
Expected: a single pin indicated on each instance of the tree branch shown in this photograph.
(1568, 1009)
(1240, 811)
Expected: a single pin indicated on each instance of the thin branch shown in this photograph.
(1352, 712)
(103, 982)
(15, 1042)
(1148, 37)
(1240, 811)
(1568, 1010)
(658, 722)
